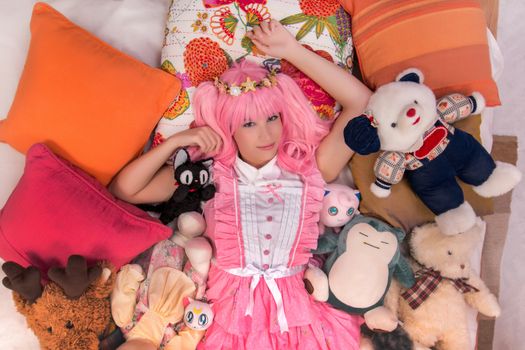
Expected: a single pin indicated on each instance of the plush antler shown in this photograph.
(24, 281)
(76, 277)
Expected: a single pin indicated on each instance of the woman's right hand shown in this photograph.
(273, 39)
(207, 140)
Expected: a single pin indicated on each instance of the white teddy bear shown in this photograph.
(404, 120)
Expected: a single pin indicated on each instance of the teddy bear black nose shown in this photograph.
(462, 266)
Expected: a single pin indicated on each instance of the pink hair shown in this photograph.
(302, 128)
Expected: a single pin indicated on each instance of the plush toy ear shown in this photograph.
(358, 195)
(187, 301)
(207, 162)
(361, 136)
(412, 74)
(181, 158)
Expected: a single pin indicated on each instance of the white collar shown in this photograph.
(249, 174)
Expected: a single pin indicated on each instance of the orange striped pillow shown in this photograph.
(443, 38)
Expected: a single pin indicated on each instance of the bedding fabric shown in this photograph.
(203, 37)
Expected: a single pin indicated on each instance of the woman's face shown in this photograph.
(258, 139)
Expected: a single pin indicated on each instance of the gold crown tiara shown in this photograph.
(269, 80)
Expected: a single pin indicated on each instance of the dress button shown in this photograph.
(266, 252)
(266, 267)
(269, 218)
(268, 236)
(270, 200)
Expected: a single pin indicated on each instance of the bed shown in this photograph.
(138, 28)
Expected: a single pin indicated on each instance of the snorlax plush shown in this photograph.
(363, 257)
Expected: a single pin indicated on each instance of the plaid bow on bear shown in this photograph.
(427, 280)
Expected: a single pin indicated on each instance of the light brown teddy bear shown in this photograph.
(434, 310)
(72, 311)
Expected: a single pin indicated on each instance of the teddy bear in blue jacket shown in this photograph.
(404, 120)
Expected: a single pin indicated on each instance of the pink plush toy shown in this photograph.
(340, 204)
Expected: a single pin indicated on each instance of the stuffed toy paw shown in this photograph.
(414, 133)
(381, 319)
(316, 283)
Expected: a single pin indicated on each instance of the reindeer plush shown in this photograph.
(72, 311)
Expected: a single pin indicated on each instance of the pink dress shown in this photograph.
(263, 223)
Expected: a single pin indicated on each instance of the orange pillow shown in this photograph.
(91, 104)
(445, 39)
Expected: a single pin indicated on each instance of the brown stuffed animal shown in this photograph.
(70, 312)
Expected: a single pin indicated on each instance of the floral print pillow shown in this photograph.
(204, 37)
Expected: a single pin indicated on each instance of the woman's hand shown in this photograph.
(207, 140)
(273, 39)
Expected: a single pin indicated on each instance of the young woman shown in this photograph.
(272, 158)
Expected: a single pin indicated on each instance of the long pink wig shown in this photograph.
(302, 128)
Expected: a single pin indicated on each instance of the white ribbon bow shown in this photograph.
(269, 277)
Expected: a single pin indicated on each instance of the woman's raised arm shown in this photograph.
(333, 153)
(147, 179)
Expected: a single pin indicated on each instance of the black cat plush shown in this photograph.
(192, 180)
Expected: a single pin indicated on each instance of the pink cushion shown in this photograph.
(57, 210)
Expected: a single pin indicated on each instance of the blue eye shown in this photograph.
(248, 124)
(189, 317)
(332, 211)
(350, 211)
(203, 320)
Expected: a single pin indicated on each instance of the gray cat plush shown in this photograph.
(357, 273)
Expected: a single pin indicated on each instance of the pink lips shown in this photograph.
(267, 148)
(417, 121)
